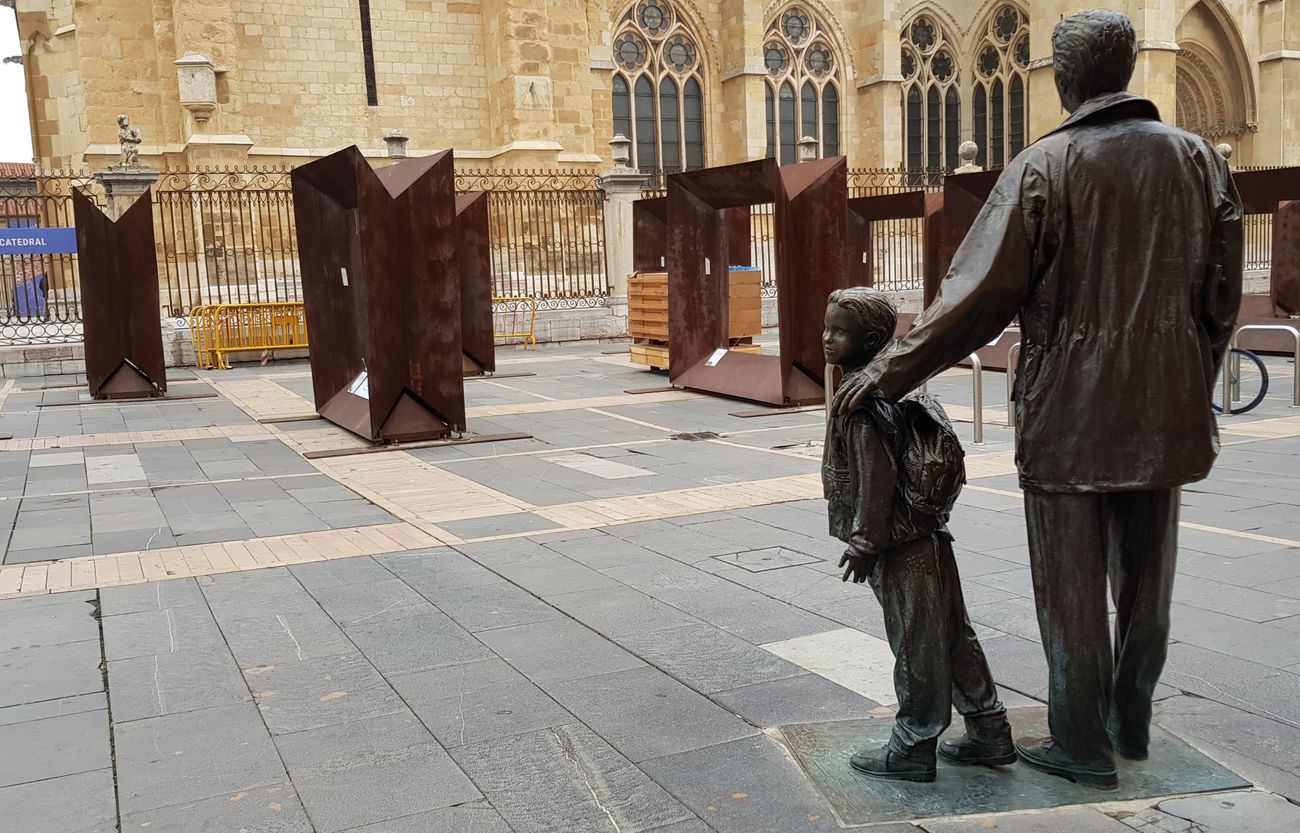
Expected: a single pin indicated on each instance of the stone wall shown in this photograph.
(514, 83)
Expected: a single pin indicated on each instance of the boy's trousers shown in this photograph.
(1077, 541)
(939, 663)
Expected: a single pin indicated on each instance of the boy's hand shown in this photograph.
(856, 567)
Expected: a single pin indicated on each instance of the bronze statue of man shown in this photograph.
(1117, 240)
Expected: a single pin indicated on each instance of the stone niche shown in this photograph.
(197, 77)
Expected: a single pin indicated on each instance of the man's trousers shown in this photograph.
(1076, 542)
(938, 661)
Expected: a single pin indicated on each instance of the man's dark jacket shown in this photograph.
(1118, 241)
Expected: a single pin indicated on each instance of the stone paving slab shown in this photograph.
(523, 604)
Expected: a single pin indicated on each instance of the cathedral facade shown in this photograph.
(691, 83)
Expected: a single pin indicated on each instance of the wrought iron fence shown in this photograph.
(547, 234)
(1258, 241)
(40, 297)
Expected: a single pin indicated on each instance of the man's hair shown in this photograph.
(1094, 53)
(873, 311)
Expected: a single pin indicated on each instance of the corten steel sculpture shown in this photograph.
(474, 257)
(864, 212)
(650, 235)
(381, 285)
(1119, 240)
(119, 300)
(893, 520)
(810, 225)
(1275, 192)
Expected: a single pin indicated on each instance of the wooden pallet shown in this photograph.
(654, 354)
(647, 315)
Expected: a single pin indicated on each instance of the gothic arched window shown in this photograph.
(931, 99)
(657, 91)
(999, 100)
(803, 85)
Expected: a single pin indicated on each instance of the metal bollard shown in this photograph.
(1258, 328)
(977, 385)
(1013, 359)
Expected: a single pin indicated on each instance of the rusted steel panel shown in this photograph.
(650, 234)
(474, 257)
(863, 212)
(381, 285)
(119, 300)
(703, 240)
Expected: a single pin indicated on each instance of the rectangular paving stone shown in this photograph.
(510, 524)
(600, 549)
(42, 627)
(353, 604)
(466, 704)
(644, 713)
(53, 708)
(807, 698)
(345, 571)
(155, 595)
(490, 606)
(37, 674)
(82, 803)
(85, 598)
(267, 638)
(567, 779)
(1227, 634)
(408, 640)
(478, 817)
(745, 786)
(546, 574)
(242, 594)
(318, 693)
(54, 747)
(708, 659)
(558, 649)
(443, 567)
(620, 611)
(163, 761)
(373, 770)
(150, 686)
(167, 631)
(269, 809)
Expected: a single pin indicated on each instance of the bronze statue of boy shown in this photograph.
(899, 543)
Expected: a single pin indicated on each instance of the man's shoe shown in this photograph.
(887, 764)
(1043, 755)
(973, 749)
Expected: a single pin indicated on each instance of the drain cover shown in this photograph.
(697, 435)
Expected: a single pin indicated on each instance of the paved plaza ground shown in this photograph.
(206, 626)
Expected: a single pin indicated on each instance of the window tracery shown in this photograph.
(802, 93)
(999, 100)
(931, 98)
(657, 89)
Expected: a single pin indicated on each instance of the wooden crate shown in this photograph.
(647, 315)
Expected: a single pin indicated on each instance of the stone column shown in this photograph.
(1279, 79)
(123, 186)
(520, 88)
(743, 114)
(877, 106)
(622, 185)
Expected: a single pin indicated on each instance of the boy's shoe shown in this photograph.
(890, 765)
(986, 743)
(1043, 755)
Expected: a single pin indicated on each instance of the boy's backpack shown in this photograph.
(931, 462)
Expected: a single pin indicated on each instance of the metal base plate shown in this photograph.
(823, 749)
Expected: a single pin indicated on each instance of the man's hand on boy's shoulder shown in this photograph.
(856, 388)
(857, 567)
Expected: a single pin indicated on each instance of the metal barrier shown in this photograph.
(977, 391)
(512, 308)
(219, 329)
(1228, 398)
(1013, 360)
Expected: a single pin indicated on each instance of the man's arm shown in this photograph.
(1222, 290)
(985, 287)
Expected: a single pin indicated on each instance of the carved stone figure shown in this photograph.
(895, 529)
(1118, 241)
(128, 138)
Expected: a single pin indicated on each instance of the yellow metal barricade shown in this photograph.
(220, 329)
(203, 335)
(515, 316)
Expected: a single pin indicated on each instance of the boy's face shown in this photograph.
(843, 340)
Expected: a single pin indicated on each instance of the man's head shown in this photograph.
(1094, 53)
(859, 321)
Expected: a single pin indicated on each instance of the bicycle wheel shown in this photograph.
(1250, 378)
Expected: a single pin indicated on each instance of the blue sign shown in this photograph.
(38, 241)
